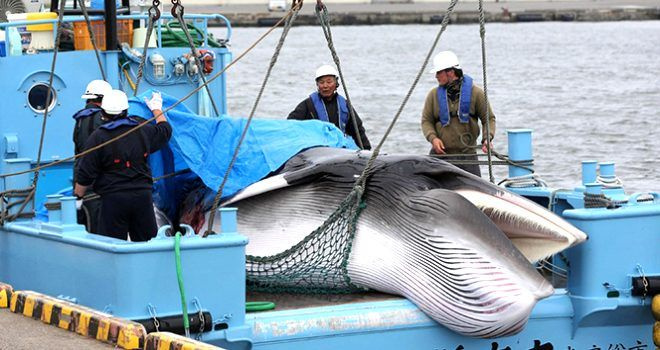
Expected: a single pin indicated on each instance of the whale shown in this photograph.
(458, 247)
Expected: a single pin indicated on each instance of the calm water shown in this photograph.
(588, 90)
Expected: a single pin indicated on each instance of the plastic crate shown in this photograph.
(81, 40)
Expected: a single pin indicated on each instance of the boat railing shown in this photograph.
(200, 20)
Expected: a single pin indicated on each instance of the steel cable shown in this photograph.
(139, 126)
(482, 33)
(295, 8)
(177, 11)
(92, 37)
(322, 16)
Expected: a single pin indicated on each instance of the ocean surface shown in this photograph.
(589, 91)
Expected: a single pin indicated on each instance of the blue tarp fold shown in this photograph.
(206, 146)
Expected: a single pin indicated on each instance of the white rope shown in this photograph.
(529, 180)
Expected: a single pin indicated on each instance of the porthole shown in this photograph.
(36, 97)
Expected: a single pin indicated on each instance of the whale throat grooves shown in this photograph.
(317, 263)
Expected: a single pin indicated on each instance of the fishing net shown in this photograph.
(315, 265)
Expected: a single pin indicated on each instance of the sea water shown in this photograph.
(588, 90)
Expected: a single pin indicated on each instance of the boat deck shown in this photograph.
(289, 301)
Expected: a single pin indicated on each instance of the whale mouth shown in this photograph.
(534, 230)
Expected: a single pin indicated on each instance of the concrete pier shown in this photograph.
(432, 12)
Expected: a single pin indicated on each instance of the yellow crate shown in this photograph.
(35, 16)
(81, 40)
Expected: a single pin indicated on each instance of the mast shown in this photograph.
(111, 25)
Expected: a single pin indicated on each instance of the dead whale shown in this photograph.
(455, 245)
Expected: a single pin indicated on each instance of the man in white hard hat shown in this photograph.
(119, 172)
(453, 112)
(87, 120)
(327, 105)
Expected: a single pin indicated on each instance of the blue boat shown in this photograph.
(604, 303)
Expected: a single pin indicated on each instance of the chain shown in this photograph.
(154, 15)
(202, 321)
(152, 312)
(177, 12)
(176, 8)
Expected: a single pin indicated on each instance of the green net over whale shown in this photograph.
(318, 263)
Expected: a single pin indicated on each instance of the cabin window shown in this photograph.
(37, 97)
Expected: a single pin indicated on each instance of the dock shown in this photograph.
(23, 333)
(377, 13)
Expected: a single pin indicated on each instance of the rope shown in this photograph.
(322, 16)
(598, 201)
(609, 182)
(150, 27)
(368, 168)
(295, 8)
(167, 176)
(35, 180)
(177, 11)
(482, 33)
(92, 38)
(179, 278)
(137, 127)
(6, 205)
(529, 180)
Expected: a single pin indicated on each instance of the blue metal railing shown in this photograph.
(68, 19)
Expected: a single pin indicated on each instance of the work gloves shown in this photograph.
(156, 101)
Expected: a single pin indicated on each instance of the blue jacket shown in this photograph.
(317, 100)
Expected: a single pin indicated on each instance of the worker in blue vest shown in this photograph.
(327, 105)
(119, 172)
(454, 111)
(87, 120)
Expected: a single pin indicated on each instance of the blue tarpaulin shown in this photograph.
(206, 146)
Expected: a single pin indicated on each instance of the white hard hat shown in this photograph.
(96, 89)
(326, 69)
(444, 60)
(114, 102)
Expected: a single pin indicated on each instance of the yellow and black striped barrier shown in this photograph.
(167, 341)
(75, 318)
(655, 308)
(5, 295)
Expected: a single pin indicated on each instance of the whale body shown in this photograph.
(457, 246)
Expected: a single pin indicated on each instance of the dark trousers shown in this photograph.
(128, 212)
(470, 168)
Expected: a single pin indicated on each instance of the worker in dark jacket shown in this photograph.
(327, 105)
(119, 172)
(87, 120)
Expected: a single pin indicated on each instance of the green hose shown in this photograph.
(173, 36)
(179, 277)
(253, 306)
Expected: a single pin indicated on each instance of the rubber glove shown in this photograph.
(156, 101)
